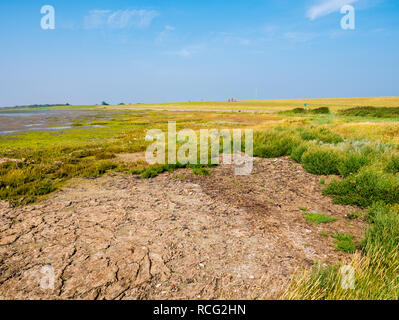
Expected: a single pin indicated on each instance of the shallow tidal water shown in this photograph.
(12, 121)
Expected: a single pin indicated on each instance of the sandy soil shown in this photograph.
(172, 237)
(3, 160)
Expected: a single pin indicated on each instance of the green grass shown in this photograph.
(376, 267)
(320, 134)
(375, 279)
(273, 144)
(201, 171)
(344, 242)
(318, 218)
(354, 216)
(383, 232)
(392, 165)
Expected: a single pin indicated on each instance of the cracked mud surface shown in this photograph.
(172, 237)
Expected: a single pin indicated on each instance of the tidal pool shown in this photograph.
(46, 120)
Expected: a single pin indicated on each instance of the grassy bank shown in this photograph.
(368, 178)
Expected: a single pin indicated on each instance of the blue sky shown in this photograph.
(159, 51)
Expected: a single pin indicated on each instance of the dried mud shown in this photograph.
(177, 236)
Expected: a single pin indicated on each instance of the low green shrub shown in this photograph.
(321, 160)
(298, 151)
(351, 163)
(392, 165)
(322, 110)
(298, 110)
(373, 112)
(363, 189)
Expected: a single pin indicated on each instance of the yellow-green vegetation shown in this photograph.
(344, 242)
(334, 105)
(354, 216)
(48, 159)
(318, 218)
(273, 105)
(358, 146)
(375, 279)
(375, 266)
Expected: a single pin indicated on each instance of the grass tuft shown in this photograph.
(344, 242)
(318, 218)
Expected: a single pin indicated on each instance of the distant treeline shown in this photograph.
(40, 105)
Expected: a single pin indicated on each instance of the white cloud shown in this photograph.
(96, 19)
(187, 52)
(165, 34)
(326, 7)
(169, 28)
(119, 19)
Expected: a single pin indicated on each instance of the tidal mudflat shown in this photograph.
(49, 120)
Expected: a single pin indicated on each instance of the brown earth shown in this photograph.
(177, 236)
(3, 160)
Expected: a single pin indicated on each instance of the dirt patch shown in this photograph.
(3, 160)
(177, 236)
(131, 157)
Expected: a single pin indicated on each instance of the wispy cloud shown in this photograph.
(325, 7)
(119, 19)
(183, 53)
(187, 51)
(165, 34)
